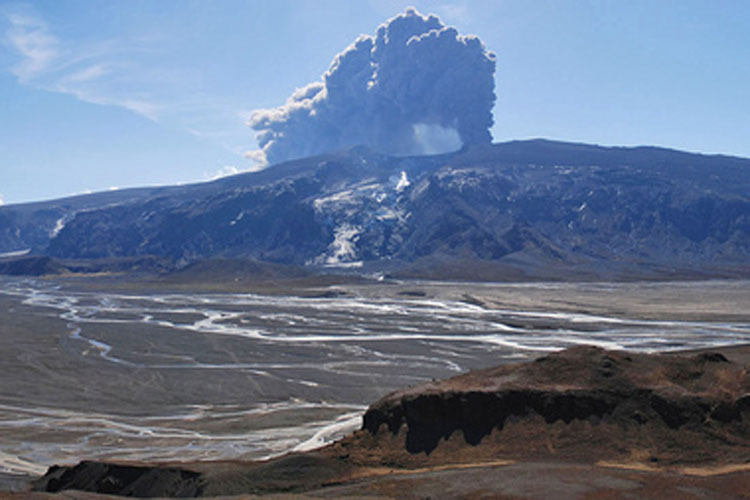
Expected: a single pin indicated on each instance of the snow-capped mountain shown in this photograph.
(533, 206)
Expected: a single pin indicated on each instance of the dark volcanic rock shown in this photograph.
(40, 265)
(125, 480)
(545, 209)
(32, 225)
(30, 266)
(637, 398)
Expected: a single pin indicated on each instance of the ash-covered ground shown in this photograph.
(97, 373)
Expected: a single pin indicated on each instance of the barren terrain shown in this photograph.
(96, 370)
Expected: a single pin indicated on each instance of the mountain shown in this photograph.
(522, 209)
(28, 227)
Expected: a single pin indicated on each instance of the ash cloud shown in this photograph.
(416, 87)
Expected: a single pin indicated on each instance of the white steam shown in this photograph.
(416, 87)
(434, 139)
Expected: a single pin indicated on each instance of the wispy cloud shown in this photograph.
(89, 73)
(2, 201)
(30, 36)
(225, 171)
(453, 13)
(102, 72)
(228, 170)
(129, 73)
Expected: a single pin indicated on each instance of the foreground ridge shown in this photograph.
(614, 420)
(584, 393)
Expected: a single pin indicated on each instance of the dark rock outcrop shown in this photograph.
(125, 480)
(30, 266)
(648, 396)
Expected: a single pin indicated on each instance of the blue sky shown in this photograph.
(99, 95)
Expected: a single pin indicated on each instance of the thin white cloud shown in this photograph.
(2, 201)
(129, 73)
(229, 170)
(88, 73)
(225, 171)
(102, 72)
(31, 38)
(453, 13)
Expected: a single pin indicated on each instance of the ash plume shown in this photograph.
(416, 87)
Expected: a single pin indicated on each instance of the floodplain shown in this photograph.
(93, 371)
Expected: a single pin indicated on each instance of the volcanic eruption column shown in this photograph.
(416, 87)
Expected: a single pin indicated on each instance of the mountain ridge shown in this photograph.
(544, 203)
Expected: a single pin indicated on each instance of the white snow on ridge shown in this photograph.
(403, 182)
(347, 265)
(59, 225)
(238, 218)
(340, 197)
(15, 253)
(341, 252)
(342, 248)
(388, 214)
(356, 209)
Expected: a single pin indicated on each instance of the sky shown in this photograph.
(108, 95)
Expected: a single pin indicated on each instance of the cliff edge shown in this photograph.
(601, 422)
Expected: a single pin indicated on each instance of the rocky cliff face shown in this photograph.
(534, 202)
(662, 405)
(675, 416)
(29, 227)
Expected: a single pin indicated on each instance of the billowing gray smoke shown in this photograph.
(417, 87)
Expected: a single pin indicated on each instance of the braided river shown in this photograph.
(174, 375)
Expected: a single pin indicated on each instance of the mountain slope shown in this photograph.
(538, 203)
(30, 226)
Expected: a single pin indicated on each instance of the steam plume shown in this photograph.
(416, 87)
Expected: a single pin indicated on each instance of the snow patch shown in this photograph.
(368, 207)
(59, 225)
(387, 214)
(342, 248)
(347, 265)
(238, 218)
(341, 252)
(403, 182)
(340, 197)
(15, 253)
